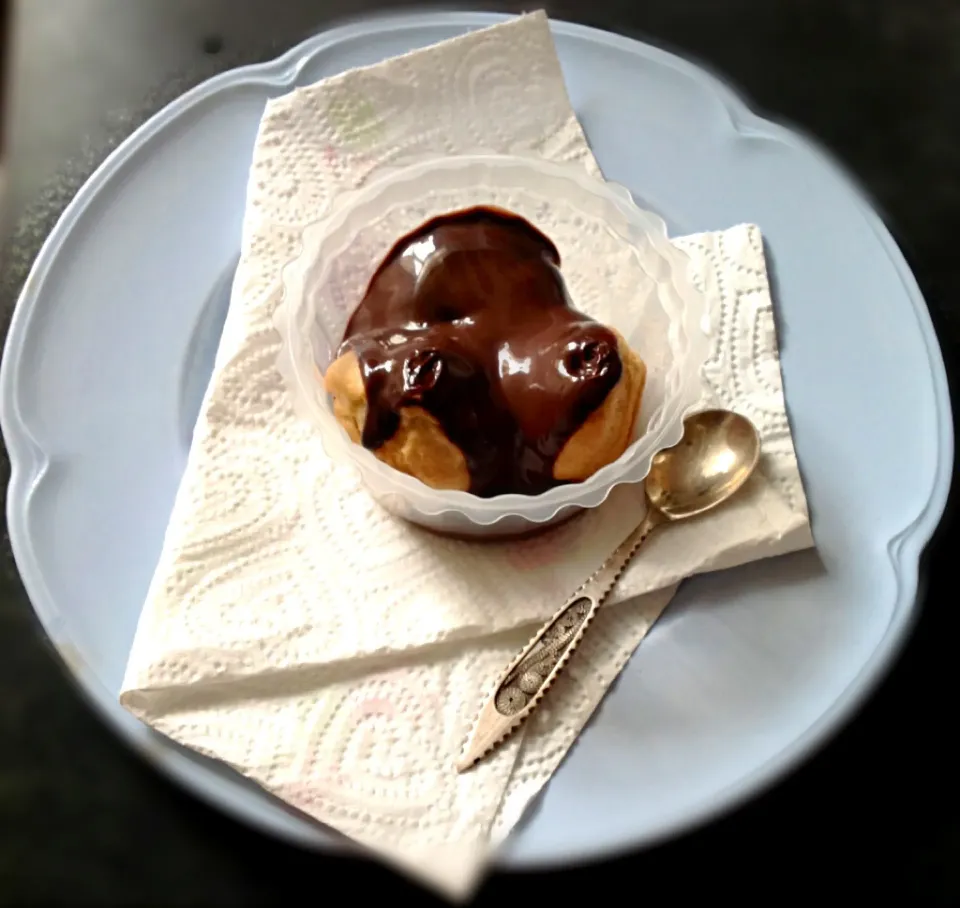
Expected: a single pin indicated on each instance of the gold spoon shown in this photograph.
(714, 458)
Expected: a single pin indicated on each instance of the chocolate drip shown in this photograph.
(468, 318)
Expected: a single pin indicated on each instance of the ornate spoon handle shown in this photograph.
(527, 678)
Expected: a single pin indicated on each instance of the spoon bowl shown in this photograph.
(718, 452)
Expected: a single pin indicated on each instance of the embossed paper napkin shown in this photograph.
(337, 656)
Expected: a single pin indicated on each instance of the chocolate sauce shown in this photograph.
(468, 318)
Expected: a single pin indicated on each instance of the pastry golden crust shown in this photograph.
(608, 431)
(420, 448)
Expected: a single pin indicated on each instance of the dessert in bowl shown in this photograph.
(494, 342)
(466, 366)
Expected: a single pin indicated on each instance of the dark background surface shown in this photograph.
(876, 814)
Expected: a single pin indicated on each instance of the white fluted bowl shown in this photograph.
(619, 268)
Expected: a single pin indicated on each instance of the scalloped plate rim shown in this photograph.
(29, 463)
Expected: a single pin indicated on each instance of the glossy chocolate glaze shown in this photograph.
(468, 318)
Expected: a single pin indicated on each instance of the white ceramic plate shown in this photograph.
(113, 341)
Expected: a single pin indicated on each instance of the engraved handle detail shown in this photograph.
(529, 676)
